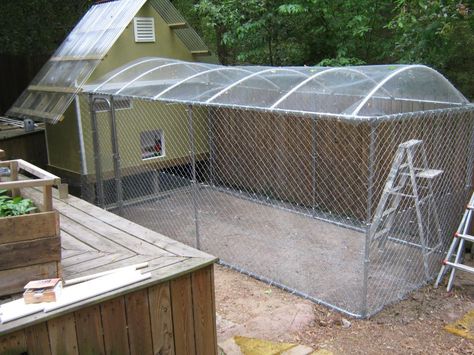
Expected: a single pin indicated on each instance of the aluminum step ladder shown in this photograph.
(460, 237)
(407, 181)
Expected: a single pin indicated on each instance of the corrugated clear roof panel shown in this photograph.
(261, 88)
(412, 88)
(359, 91)
(200, 86)
(53, 88)
(163, 76)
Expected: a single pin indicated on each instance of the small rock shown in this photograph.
(345, 323)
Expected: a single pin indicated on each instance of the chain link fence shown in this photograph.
(287, 199)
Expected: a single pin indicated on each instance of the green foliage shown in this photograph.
(15, 206)
(439, 33)
(37, 26)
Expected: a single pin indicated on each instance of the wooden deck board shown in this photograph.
(95, 240)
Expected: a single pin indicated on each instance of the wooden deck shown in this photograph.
(94, 240)
(173, 312)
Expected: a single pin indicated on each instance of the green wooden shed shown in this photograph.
(109, 35)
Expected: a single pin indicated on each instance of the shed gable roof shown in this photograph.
(64, 75)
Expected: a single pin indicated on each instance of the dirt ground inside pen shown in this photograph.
(247, 307)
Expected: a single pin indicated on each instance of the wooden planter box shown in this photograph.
(30, 245)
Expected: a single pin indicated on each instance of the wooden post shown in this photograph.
(48, 198)
(14, 177)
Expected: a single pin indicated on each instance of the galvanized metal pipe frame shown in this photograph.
(370, 193)
(192, 152)
(97, 152)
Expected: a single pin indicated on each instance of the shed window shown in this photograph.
(152, 144)
(144, 29)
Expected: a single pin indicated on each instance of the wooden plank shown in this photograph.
(89, 331)
(90, 255)
(95, 263)
(33, 113)
(177, 25)
(154, 263)
(183, 323)
(14, 280)
(114, 323)
(62, 335)
(204, 312)
(25, 183)
(138, 231)
(37, 340)
(28, 227)
(30, 252)
(138, 321)
(69, 253)
(88, 236)
(53, 89)
(161, 319)
(107, 231)
(70, 242)
(74, 58)
(47, 198)
(13, 343)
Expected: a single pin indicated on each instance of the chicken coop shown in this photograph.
(342, 185)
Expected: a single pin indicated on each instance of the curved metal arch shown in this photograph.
(120, 72)
(394, 74)
(146, 73)
(251, 76)
(309, 79)
(195, 76)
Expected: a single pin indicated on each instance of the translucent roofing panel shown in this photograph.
(359, 91)
(54, 87)
(185, 33)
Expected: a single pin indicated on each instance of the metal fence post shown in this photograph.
(313, 165)
(370, 192)
(99, 182)
(116, 157)
(192, 152)
(212, 148)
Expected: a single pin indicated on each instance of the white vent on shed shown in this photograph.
(144, 29)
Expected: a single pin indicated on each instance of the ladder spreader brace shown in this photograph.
(402, 173)
(457, 244)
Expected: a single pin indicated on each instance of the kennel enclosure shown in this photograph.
(281, 171)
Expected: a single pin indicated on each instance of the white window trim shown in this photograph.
(163, 146)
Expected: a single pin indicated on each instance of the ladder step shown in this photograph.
(459, 266)
(409, 144)
(400, 194)
(422, 200)
(429, 173)
(395, 189)
(389, 211)
(467, 237)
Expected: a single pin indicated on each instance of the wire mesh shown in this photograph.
(288, 199)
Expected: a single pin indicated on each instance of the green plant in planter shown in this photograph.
(14, 206)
